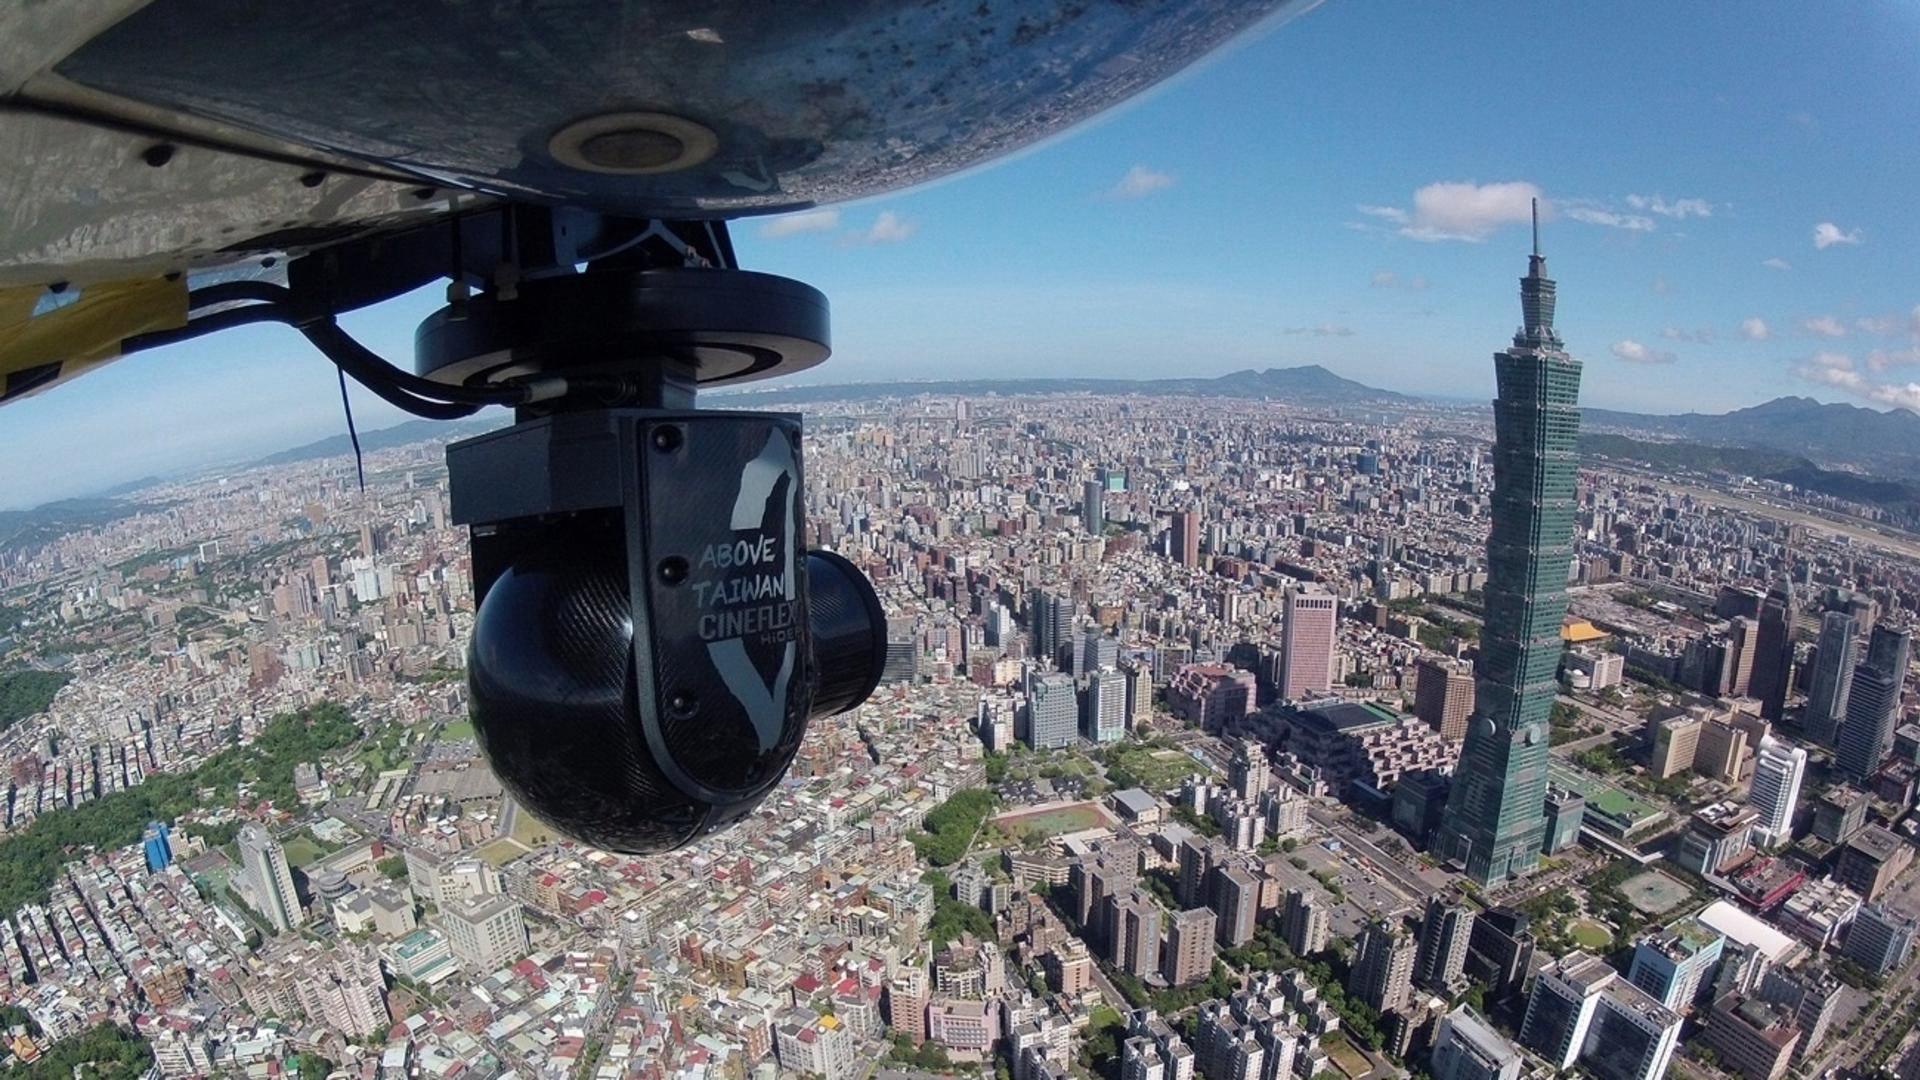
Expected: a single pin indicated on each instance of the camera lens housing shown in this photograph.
(648, 647)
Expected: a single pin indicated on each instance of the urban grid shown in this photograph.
(1220, 739)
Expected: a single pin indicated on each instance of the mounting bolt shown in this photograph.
(667, 438)
(673, 570)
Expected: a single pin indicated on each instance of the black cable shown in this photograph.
(228, 292)
(341, 348)
(353, 436)
(205, 324)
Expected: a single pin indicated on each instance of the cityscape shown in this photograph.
(1344, 736)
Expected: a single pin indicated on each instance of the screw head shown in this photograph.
(682, 703)
(673, 570)
(667, 438)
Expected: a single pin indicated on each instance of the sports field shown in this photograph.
(1348, 1060)
(1054, 820)
(1654, 893)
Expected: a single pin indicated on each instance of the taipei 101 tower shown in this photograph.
(1495, 817)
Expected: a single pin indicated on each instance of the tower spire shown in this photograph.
(1536, 227)
(1536, 294)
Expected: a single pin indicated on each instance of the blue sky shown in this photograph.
(1730, 213)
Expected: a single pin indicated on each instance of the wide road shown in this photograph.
(1390, 867)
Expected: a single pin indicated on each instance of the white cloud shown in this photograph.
(1678, 209)
(1387, 279)
(810, 221)
(1880, 325)
(1837, 370)
(1635, 353)
(1882, 359)
(1322, 330)
(1755, 329)
(1139, 182)
(888, 228)
(1460, 210)
(1776, 263)
(1699, 336)
(1824, 326)
(1827, 234)
(1593, 215)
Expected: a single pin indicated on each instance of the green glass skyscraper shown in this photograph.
(1495, 817)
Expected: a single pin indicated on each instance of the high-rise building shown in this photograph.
(1873, 703)
(1813, 993)
(1743, 642)
(1186, 538)
(1248, 773)
(157, 846)
(1465, 1047)
(1099, 650)
(1303, 923)
(1880, 940)
(1198, 856)
(907, 994)
(1093, 507)
(1307, 642)
(487, 933)
(1051, 619)
(1443, 695)
(1777, 773)
(1673, 963)
(1494, 819)
(1444, 934)
(1382, 971)
(1500, 950)
(1560, 1010)
(1189, 953)
(1133, 933)
(1236, 902)
(1834, 658)
(1753, 1039)
(1632, 1036)
(1773, 651)
(269, 878)
(1104, 716)
(1053, 712)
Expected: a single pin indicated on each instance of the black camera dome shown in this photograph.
(553, 703)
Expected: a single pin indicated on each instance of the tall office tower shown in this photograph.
(1186, 538)
(1444, 933)
(1382, 972)
(1105, 714)
(1777, 772)
(1093, 507)
(1053, 712)
(1051, 619)
(1303, 923)
(1189, 955)
(1465, 1047)
(1773, 651)
(1873, 703)
(265, 862)
(1099, 650)
(1495, 814)
(1443, 695)
(1560, 1009)
(1306, 642)
(1880, 940)
(1743, 639)
(1834, 657)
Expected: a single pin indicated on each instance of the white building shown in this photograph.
(486, 933)
(269, 878)
(1777, 772)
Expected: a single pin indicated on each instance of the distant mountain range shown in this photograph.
(1828, 435)
(24, 529)
(411, 431)
(1309, 384)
